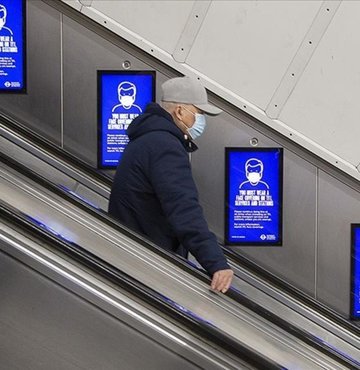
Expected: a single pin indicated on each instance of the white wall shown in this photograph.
(294, 65)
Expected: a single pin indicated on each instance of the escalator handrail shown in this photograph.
(234, 294)
(290, 290)
(34, 139)
(138, 289)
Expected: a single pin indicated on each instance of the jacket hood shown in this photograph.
(156, 118)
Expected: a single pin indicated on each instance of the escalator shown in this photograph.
(287, 339)
(48, 211)
(63, 308)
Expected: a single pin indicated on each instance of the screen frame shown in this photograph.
(353, 316)
(101, 73)
(23, 90)
(279, 242)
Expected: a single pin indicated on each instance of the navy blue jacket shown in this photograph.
(154, 192)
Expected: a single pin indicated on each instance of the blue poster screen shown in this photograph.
(355, 259)
(253, 212)
(123, 95)
(12, 45)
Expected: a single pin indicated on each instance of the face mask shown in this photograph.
(2, 23)
(254, 177)
(127, 101)
(198, 127)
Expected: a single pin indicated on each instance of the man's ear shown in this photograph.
(178, 112)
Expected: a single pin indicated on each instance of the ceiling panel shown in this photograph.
(246, 46)
(160, 22)
(324, 104)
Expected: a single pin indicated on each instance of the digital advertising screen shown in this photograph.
(253, 196)
(355, 272)
(12, 46)
(122, 96)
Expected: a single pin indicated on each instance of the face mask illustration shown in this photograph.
(254, 177)
(127, 101)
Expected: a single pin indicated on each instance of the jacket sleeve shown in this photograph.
(171, 177)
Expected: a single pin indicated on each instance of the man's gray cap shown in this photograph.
(187, 90)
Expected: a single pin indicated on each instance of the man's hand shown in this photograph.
(221, 280)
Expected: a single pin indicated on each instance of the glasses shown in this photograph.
(191, 111)
(188, 110)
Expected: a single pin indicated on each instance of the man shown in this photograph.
(254, 171)
(154, 192)
(3, 15)
(126, 95)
